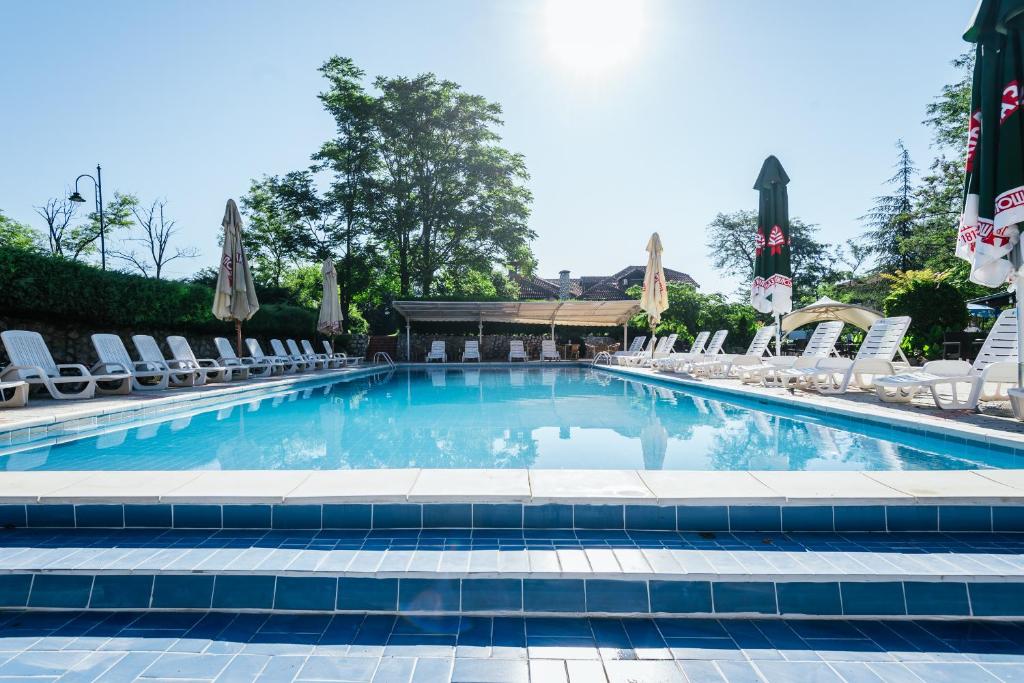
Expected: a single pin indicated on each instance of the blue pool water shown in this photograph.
(506, 418)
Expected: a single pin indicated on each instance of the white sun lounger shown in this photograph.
(343, 357)
(313, 362)
(208, 370)
(722, 365)
(280, 364)
(821, 345)
(31, 362)
(471, 351)
(114, 357)
(548, 350)
(254, 366)
(635, 347)
(296, 363)
(874, 359)
(327, 360)
(516, 350)
(987, 379)
(663, 349)
(178, 374)
(437, 352)
(702, 349)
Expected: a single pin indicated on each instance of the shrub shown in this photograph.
(43, 287)
(934, 304)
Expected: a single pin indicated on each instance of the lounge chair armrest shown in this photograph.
(149, 366)
(76, 368)
(206, 363)
(947, 367)
(23, 372)
(1003, 371)
(102, 368)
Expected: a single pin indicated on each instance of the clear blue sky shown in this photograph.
(189, 100)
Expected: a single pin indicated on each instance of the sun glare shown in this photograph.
(592, 36)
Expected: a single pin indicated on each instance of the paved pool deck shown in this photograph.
(46, 421)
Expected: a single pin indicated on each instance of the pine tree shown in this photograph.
(891, 220)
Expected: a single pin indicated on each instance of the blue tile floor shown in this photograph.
(123, 646)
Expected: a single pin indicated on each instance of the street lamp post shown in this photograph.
(97, 184)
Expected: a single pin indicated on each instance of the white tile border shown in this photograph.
(628, 487)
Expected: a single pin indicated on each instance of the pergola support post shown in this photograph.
(408, 341)
(625, 333)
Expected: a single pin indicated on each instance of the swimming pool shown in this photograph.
(519, 417)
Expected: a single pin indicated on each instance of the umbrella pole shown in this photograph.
(238, 337)
(778, 335)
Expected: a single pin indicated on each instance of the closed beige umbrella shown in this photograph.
(654, 298)
(235, 296)
(330, 308)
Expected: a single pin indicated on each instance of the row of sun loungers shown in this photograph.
(32, 365)
(952, 384)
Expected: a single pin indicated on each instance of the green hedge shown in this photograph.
(43, 287)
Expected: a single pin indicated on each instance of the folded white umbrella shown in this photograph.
(330, 322)
(235, 296)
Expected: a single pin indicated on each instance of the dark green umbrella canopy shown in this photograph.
(994, 191)
(772, 289)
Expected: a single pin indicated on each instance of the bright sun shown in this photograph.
(592, 36)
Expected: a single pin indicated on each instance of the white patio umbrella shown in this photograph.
(330, 307)
(654, 298)
(829, 309)
(235, 296)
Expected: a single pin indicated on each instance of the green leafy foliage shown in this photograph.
(934, 305)
(37, 285)
(18, 235)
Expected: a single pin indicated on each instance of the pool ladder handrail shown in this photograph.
(383, 357)
(602, 355)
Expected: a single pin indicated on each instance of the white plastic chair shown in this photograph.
(548, 351)
(516, 350)
(254, 366)
(700, 350)
(328, 361)
(31, 362)
(13, 394)
(207, 369)
(821, 344)
(723, 364)
(437, 352)
(662, 349)
(344, 357)
(281, 355)
(986, 379)
(178, 374)
(312, 361)
(114, 357)
(471, 351)
(875, 358)
(635, 347)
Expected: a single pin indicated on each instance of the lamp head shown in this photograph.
(76, 197)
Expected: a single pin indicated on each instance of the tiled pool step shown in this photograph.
(526, 572)
(822, 517)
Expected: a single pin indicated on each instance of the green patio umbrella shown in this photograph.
(994, 191)
(772, 288)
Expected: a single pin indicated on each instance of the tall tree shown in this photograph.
(63, 237)
(269, 237)
(450, 195)
(731, 245)
(891, 219)
(154, 236)
(352, 157)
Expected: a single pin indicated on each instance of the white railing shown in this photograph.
(602, 356)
